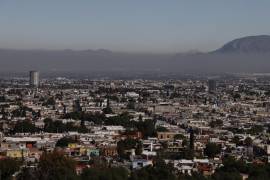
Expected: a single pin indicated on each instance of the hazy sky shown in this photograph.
(130, 25)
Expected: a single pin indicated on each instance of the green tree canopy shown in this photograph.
(161, 129)
(128, 144)
(114, 173)
(63, 142)
(212, 149)
(25, 127)
(8, 167)
(160, 171)
(56, 166)
(248, 141)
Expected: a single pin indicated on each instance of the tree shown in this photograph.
(3, 112)
(131, 104)
(147, 127)
(248, 141)
(107, 110)
(98, 162)
(49, 102)
(259, 172)
(184, 142)
(48, 125)
(236, 140)
(128, 144)
(25, 127)
(179, 136)
(69, 126)
(139, 148)
(230, 171)
(20, 112)
(212, 149)
(56, 166)
(63, 142)
(161, 129)
(114, 173)
(232, 168)
(2, 99)
(54, 126)
(27, 173)
(122, 120)
(191, 139)
(8, 167)
(216, 123)
(256, 129)
(236, 96)
(193, 176)
(161, 171)
(221, 175)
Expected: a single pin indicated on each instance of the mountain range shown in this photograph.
(247, 54)
(249, 44)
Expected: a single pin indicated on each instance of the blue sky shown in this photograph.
(130, 25)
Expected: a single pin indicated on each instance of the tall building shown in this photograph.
(34, 79)
(212, 85)
(191, 139)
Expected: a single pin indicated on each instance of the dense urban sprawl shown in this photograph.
(65, 128)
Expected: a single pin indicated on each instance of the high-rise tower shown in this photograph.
(34, 79)
(212, 85)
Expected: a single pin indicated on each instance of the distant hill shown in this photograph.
(248, 54)
(249, 44)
